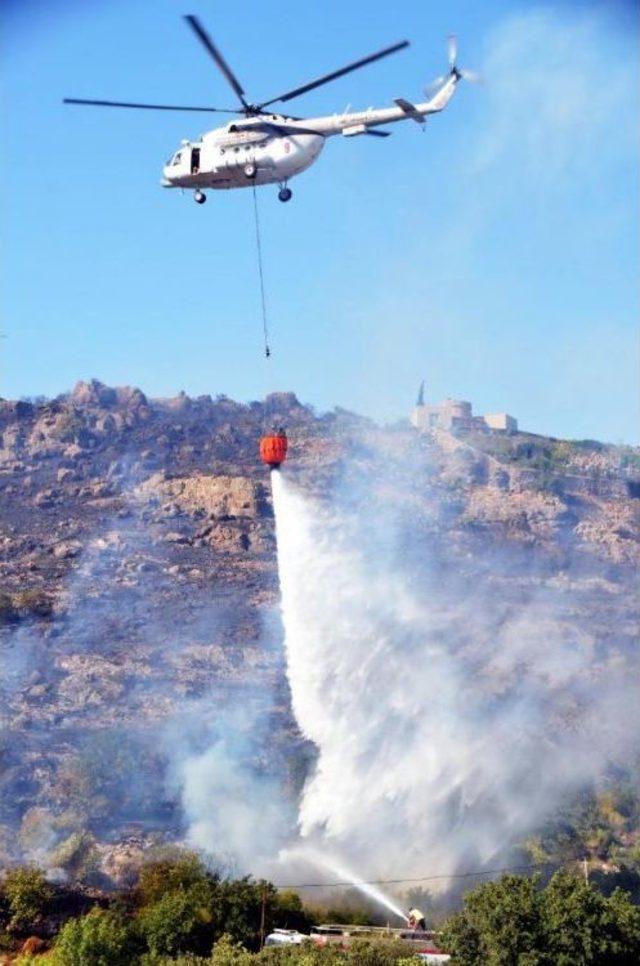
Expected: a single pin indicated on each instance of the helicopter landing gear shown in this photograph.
(250, 171)
(199, 197)
(285, 194)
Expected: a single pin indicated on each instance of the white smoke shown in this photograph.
(235, 807)
(446, 727)
(554, 81)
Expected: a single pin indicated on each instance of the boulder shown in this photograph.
(67, 549)
(175, 537)
(64, 474)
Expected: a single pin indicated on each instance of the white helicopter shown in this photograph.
(269, 148)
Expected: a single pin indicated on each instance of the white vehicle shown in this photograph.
(285, 937)
(266, 147)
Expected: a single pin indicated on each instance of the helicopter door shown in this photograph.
(195, 160)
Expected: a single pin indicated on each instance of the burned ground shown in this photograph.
(138, 584)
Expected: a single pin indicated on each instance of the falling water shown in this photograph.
(437, 715)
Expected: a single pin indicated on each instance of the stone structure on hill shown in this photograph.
(457, 414)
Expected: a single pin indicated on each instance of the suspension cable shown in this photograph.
(422, 878)
(263, 300)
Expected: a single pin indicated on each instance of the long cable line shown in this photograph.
(263, 300)
(420, 878)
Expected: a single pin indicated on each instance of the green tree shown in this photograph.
(569, 923)
(179, 871)
(622, 920)
(28, 894)
(572, 918)
(179, 922)
(462, 940)
(501, 925)
(101, 938)
(185, 908)
(585, 929)
(240, 904)
(507, 916)
(288, 912)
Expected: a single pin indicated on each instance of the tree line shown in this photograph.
(181, 912)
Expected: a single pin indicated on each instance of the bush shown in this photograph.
(28, 894)
(150, 960)
(379, 952)
(34, 602)
(69, 427)
(8, 613)
(228, 953)
(78, 856)
(101, 938)
(368, 952)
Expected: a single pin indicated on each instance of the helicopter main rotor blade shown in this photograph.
(289, 95)
(211, 48)
(150, 107)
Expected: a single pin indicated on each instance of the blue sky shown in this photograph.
(493, 255)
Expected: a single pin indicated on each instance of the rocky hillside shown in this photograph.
(138, 583)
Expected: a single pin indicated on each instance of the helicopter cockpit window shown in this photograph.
(176, 158)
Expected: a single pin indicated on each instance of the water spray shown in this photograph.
(328, 863)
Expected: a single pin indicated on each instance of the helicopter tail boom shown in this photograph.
(439, 93)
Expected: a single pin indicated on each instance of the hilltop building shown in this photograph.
(457, 414)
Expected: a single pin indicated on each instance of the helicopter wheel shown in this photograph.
(285, 194)
(199, 197)
(250, 171)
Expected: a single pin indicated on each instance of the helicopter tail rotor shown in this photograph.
(452, 50)
(454, 71)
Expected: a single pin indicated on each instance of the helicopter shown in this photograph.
(261, 146)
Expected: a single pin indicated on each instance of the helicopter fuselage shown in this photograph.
(271, 148)
(221, 158)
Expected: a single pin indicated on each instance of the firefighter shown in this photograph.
(416, 920)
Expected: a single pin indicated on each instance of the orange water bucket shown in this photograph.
(273, 449)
